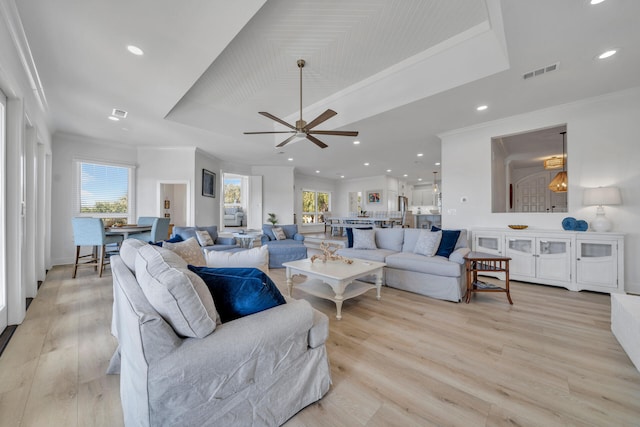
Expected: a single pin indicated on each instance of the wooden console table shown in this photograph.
(479, 261)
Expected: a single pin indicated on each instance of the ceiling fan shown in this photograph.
(303, 129)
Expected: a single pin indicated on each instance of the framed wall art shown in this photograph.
(208, 183)
(374, 196)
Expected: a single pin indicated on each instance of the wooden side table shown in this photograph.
(479, 261)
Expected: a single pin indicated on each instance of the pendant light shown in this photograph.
(560, 183)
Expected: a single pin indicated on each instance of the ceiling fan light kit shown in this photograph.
(303, 129)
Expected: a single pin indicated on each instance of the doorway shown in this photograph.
(174, 202)
(4, 314)
(242, 202)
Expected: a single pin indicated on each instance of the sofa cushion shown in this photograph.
(350, 234)
(204, 238)
(129, 251)
(255, 257)
(428, 242)
(364, 239)
(239, 292)
(410, 239)
(278, 233)
(290, 230)
(176, 293)
(378, 255)
(390, 238)
(448, 242)
(436, 265)
(189, 250)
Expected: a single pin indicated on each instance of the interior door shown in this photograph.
(254, 213)
(3, 196)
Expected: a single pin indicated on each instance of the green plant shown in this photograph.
(272, 218)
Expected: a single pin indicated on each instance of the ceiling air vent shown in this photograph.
(541, 71)
(121, 114)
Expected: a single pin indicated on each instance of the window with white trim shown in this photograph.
(105, 191)
(314, 206)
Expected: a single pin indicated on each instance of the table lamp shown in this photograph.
(600, 197)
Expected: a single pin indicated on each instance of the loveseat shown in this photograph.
(434, 276)
(291, 248)
(219, 243)
(256, 370)
(233, 216)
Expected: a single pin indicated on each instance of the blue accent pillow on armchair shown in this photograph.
(448, 242)
(239, 292)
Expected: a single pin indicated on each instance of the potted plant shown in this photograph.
(272, 219)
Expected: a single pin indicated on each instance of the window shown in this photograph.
(314, 205)
(232, 191)
(105, 191)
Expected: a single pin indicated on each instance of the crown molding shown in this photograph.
(9, 13)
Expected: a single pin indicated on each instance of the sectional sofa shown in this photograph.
(436, 276)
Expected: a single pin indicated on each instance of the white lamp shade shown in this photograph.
(602, 196)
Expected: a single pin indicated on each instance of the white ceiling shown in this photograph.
(398, 71)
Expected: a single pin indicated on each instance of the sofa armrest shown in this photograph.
(299, 237)
(458, 255)
(225, 241)
(235, 356)
(319, 332)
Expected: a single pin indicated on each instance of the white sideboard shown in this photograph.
(571, 259)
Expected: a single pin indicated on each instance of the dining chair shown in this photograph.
(90, 232)
(159, 229)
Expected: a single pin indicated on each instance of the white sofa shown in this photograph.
(436, 277)
(625, 324)
(233, 216)
(257, 370)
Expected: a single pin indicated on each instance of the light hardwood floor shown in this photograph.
(407, 360)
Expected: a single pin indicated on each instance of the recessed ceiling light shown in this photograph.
(596, 1)
(405, 175)
(290, 159)
(482, 107)
(420, 154)
(419, 179)
(356, 142)
(341, 176)
(388, 170)
(437, 163)
(135, 50)
(607, 54)
(317, 171)
(366, 163)
(114, 118)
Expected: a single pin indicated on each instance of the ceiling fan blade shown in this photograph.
(257, 133)
(334, 132)
(286, 141)
(321, 118)
(272, 117)
(316, 141)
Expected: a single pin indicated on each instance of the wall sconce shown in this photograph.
(167, 204)
(600, 197)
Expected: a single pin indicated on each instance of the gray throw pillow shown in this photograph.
(278, 232)
(428, 242)
(364, 239)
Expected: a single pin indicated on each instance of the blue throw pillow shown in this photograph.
(448, 242)
(350, 235)
(239, 292)
(174, 239)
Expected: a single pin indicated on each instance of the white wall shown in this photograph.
(207, 209)
(602, 151)
(305, 182)
(66, 148)
(277, 190)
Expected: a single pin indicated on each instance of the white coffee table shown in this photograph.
(335, 280)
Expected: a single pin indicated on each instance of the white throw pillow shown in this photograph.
(204, 238)
(428, 242)
(180, 296)
(279, 233)
(129, 251)
(189, 250)
(255, 257)
(364, 239)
